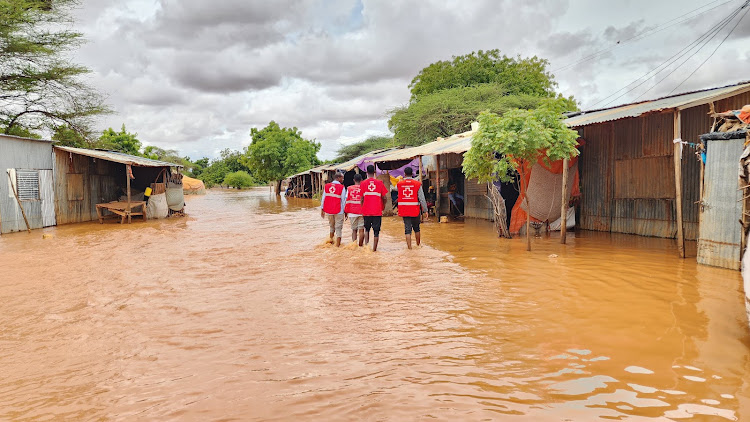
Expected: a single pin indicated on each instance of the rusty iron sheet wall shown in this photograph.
(595, 177)
(93, 181)
(627, 176)
(694, 122)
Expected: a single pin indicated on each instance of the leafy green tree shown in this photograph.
(19, 131)
(39, 87)
(198, 167)
(276, 153)
(527, 76)
(515, 141)
(347, 152)
(239, 179)
(65, 136)
(451, 111)
(121, 141)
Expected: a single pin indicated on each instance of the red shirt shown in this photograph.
(353, 200)
(373, 190)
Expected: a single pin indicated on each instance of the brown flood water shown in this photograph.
(240, 312)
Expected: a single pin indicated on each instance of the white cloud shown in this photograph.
(196, 76)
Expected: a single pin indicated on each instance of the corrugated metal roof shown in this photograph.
(21, 138)
(456, 144)
(680, 101)
(118, 157)
(351, 164)
(317, 169)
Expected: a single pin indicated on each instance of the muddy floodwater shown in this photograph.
(242, 312)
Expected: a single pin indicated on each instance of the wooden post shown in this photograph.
(421, 172)
(525, 192)
(678, 184)
(437, 188)
(128, 170)
(23, 213)
(564, 203)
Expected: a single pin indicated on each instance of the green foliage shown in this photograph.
(451, 111)
(39, 87)
(516, 137)
(347, 152)
(527, 76)
(67, 137)
(276, 152)
(239, 179)
(199, 166)
(19, 131)
(214, 173)
(121, 141)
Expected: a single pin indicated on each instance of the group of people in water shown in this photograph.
(363, 203)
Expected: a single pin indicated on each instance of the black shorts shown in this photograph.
(411, 222)
(373, 221)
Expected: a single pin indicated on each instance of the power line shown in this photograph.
(715, 49)
(671, 60)
(715, 33)
(655, 30)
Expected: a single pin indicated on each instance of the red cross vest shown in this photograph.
(408, 198)
(332, 203)
(353, 200)
(372, 191)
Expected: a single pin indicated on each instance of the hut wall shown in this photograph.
(82, 182)
(26, 155)
(477, 205)
(627, 176)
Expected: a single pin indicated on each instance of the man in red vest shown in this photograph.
(373, 201)
(411, 204)
(353, 209)
(332, 205)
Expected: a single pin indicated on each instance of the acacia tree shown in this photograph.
(277, 152)
(39, 87)
(515, 141)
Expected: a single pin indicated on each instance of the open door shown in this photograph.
(720, 233)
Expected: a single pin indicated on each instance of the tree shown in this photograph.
(67, 137)
(239, 179)
(519, 75)
(39, 87)
(515, 141)
(121, 141)
(347, 152)
(276, 153)
(451, 111)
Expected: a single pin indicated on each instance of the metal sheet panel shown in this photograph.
(694, 122)
(47, 194)
(637, 109)
(649, 177)
(595, 177)
(118, 157)
(720, 233)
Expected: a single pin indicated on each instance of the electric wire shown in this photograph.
(715, 49)
(655, 30)
(671, 60)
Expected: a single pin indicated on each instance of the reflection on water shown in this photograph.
(241, 311)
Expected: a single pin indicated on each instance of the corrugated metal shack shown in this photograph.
(84, 178)
(628, 168)
(29, 163)
(442, 160)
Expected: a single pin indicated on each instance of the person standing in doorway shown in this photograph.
(373, 202)
(411, 205)
(353, 209)
(332, 204)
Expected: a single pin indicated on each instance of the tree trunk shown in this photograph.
(525, 190)
(278, 187)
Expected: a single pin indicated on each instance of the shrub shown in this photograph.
(239, 179)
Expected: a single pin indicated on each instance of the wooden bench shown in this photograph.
(121, 208)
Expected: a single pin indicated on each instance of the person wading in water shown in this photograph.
(373, 202)
(411, 204)
(332, 204)
(353, 209)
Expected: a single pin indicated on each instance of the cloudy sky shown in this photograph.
(196, 75)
